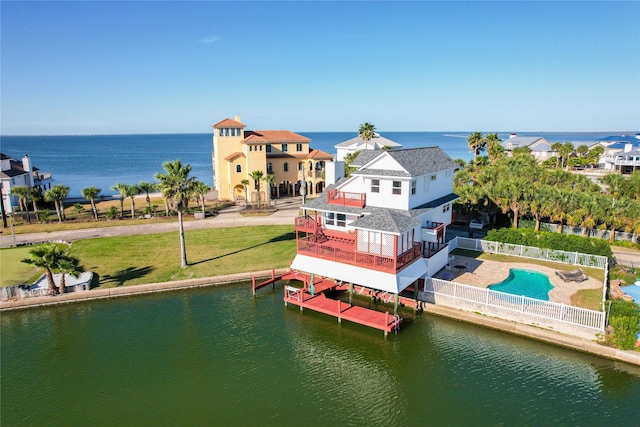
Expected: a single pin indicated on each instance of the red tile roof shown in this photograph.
(234, 155)
(228, 123)
(271, 136)
(319, 155)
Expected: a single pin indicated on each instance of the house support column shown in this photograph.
(350, 293)
(395, 305)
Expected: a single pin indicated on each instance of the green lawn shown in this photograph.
(14, 272)
(132, 260)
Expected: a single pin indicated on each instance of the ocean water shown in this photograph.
(105, 160)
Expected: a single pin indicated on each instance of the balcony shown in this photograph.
(340, 247)
(342, 198)
(434, 232)
(310, 174)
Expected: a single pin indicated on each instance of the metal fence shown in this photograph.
(521, 304)
(574, 258)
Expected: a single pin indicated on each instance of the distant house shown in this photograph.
(357, 144)
(17, 173)
(383, 227)
(539, 146)
(621, 153)
(284, 154)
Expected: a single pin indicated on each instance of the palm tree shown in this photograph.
(131, 191)
(121, 189)
(146, 188)
(245, 183)
(494, 149)
(22, 193)
(199, 191)
(367, 131)
(68, 265)
(57, 194)
(47, 256)
(177, 188)
(565, 151)
(257, 175)
(269, 179)
(557, 147)
(476, 143)
(90, 193)
(35, 194)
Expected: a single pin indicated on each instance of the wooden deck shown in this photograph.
(341, 310)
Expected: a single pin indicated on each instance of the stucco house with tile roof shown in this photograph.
(16, 173)
(284, 154)
(383, 227)
(358, 144)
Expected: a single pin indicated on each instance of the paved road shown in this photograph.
(287, 211)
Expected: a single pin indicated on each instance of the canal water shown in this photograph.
(218, 356)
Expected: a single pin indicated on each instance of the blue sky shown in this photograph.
(172, 67)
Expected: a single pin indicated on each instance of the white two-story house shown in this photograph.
(383, 227)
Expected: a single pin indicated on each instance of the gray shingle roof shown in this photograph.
(383, 172)
(416, 161)
(434, 204)
(387, 220)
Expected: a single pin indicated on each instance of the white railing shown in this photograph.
(573, 258)
(514, 303)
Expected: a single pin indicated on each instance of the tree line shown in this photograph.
(519, 186)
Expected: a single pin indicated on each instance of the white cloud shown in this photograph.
(210, 39)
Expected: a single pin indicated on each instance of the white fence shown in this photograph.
(521, 304)
(574, 258)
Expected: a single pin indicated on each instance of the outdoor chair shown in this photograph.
(572, 276)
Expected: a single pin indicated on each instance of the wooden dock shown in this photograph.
(341, 310)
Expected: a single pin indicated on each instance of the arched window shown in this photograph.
(238, 169)
(300, 166)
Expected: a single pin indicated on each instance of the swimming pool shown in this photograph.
(529, 283)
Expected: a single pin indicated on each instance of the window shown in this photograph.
(221, 132)
(413, 186)
(286, 167)
(397, 187)
(238, 169)
(300, 166)
(330, 218)
(298, 147)
(446, 208)
(268, 149)
(433, 177)
(375, 185)
(269, 168)
(341, 220)
(233, 132)
(226, 132)
(250, 148)
(285, 148)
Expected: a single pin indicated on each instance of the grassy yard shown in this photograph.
(84, 219)
(14, 272)
(132, 260)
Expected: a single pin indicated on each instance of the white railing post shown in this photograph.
(561, 312)
(522, 304)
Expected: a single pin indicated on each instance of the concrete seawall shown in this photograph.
(103, 293)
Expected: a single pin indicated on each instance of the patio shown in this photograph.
(482, 273)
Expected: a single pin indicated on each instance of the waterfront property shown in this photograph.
(356, 144)
(621, 153)
(539, 146)
(16, 173)
(383, 227)
(284, 154)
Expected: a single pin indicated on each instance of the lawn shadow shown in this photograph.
(281, 238)
(130, 273)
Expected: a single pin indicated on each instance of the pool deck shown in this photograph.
(482, 273)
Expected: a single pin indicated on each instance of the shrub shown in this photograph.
(547, 240)
(624, 318)
(112, 213)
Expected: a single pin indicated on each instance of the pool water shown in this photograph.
(634, 291)
(529, 283)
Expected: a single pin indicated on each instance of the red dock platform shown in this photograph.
(341, 310)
